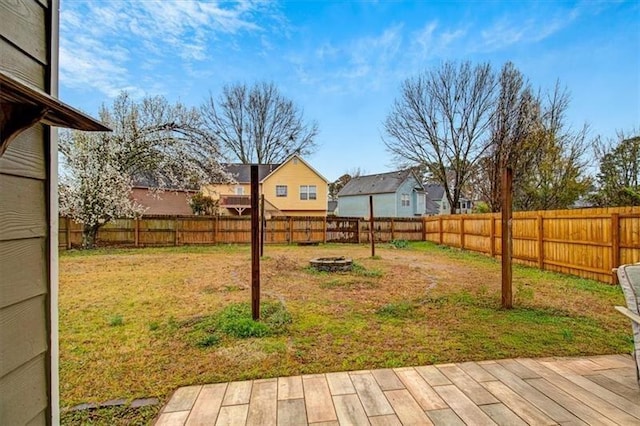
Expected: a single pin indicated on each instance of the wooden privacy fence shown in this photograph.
(182, 230)
(587, 243)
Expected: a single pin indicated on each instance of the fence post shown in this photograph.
(461, 232)
(615, 243)
(290, 230)
(358, 229)
(424, 229)
(392, 231)
(324, 231)
(175, 236)
(492, 236)
(136, 232)
(68, 230)
(540, 241)
(440, 230)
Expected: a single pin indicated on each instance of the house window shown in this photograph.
(281, 190)
(405, 201)
(239, 190)
(308, 192)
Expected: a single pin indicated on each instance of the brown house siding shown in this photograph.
(168, 202)
(25, 333)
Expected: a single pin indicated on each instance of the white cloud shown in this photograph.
(93, 35)
(511, 30)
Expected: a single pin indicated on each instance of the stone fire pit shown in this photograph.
(331, 264)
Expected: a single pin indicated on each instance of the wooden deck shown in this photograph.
(599, 390)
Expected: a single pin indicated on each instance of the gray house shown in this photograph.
(437, 202)
(395, 194)
(28, 210)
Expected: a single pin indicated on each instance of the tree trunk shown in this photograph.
(89, 233)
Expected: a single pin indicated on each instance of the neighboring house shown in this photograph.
(28, 210)
(168, 202)
(437, 202)
(395, 194)
(292, 188)
(332, 208)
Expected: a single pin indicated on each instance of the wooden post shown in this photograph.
(255, 244)
(263, 228)
(371, 224)
(615, 243)
(68, 230)
(175, 229)
(358, 230)
(216, 225)
(507, 248)
(540, 241)
(290, 230)
(424, 229)
(324, 231)
(136, 232)
(392, 233)
(492, 236)
(440, 231)
(461, 232)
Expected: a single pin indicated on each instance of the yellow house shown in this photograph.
(292, 188)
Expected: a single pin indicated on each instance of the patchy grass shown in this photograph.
(185, 318)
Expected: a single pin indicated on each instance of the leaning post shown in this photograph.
(255, 244)
(371, 222)
(507, 247)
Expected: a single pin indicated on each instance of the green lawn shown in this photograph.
(142, 322)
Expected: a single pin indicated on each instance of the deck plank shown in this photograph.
(387, 379)
(388, 420)
(370, 394)
(420, 389)
(292, 412)
(290, 388)
(233, 415)
(263, 405)
(581, 410)
(501, 414)
(340, 383)
(578, 392)
(350, 410)
(407, 408)
(614, 386)
(183, 399)
(466, 384)
(463, 406)
(238, 393)
(174, 418)
(603, 393)
(317, 399)
(525, 410)
(445, 417)
(432, 375)
(531, 394)
(476, 372)
(207, 406)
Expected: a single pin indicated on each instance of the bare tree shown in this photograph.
(516, 117)
(441, 121)
(555, 178)
(258, 124)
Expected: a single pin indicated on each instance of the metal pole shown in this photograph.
(255, 244)
(371, 221)
(507, 247)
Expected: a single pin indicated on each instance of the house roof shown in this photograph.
(332, 206)
(382, 183)
(242, 172)
(435, 191)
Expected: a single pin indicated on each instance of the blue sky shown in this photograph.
(343, 62)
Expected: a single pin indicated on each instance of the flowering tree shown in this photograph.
(151, 140)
